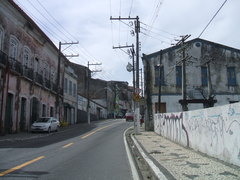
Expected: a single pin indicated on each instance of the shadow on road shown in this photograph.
(36, 140)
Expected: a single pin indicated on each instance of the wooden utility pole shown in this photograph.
(88, 88)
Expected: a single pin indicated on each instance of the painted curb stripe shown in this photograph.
(155, 169)
(21, 166)
(130, 158)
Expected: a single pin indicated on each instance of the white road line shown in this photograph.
(130, 158)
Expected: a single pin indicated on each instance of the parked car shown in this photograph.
(45, 124)
(129, 116)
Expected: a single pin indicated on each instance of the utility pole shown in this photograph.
(184, 86)
(137, 31)
(88, 85)
(59, 93)
(160, 83)
(209, 80)
(136, 93)
(141, 78)
(133, 62)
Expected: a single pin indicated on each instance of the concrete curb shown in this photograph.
(130, 158)
(151, 164)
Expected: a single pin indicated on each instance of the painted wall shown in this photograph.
(214, 131)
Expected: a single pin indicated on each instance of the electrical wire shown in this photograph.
(50, 22)
(58, 26)
(212, 18)
(130, 11)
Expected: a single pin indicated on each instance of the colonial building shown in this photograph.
(196, 74)
(30, 74)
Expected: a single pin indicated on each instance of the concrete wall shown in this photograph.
(172, 104)
(214, 131)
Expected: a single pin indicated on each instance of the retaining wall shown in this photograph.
(213, 131)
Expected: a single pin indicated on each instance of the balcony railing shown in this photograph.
(27, 72)
(3, 58)
(15, 65)
(47, 83)
(38, 78)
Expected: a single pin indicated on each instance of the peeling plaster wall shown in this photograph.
(213, 131)
(200, 52)
(15, 24)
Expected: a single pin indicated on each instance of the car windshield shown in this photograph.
(43, 119)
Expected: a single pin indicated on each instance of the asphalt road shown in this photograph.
(96, 154)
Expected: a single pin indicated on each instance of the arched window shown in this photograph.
(13, 50)
(26, 56)
(1, 38)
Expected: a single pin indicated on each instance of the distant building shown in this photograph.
(70, 95)
(29, 85)
(110, 98)
(212, 76)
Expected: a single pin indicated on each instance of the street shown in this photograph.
(96, 154)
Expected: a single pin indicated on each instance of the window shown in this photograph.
(231, 76)
(36, 65)
(51, 111)
(204, 76)
(26, 56)
(65, 85)
(1, 38)
(74, 90)
(158, 75)
(179, 76)
(70, 87)
(13, 50)
(44, 110)
(52, 77)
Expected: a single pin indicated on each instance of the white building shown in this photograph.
(70, 95)
(221, 85)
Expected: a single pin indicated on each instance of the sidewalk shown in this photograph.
(175, 161)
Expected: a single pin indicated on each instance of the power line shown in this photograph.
(55, 20)
(58, 29)
(166, 32)
(130, 11)
(147, 30)
(212, 18)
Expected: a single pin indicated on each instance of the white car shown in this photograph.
(46, 124)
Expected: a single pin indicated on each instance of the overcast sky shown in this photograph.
(162, 21)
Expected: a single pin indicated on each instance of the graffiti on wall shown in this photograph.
(214, 131)
(171, 126)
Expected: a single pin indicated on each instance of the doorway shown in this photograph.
(8, 123)
(23, 114)
(163, 108)
(34, 110)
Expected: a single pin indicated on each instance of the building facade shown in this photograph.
(29, 71)
(212, 73)
(70, 95)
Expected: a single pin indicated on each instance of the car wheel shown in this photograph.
(57, 129)
(49, 130)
